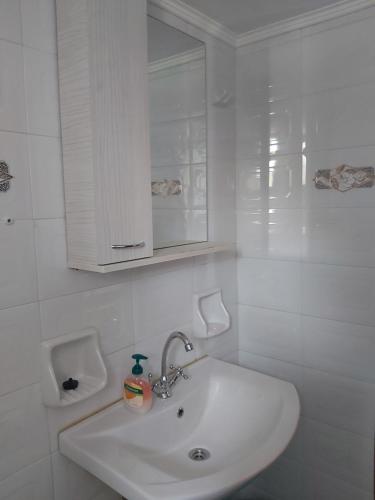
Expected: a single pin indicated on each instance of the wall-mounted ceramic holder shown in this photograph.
(75, 356)
(210, 315)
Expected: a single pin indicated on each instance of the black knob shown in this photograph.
(70, 384)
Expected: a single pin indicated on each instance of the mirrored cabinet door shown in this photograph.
(178, 121)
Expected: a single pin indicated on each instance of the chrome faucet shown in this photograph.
(162, 387)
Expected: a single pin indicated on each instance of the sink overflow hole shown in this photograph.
(199, 454)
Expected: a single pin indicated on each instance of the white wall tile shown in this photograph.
(42, 104)
(338, 401)
(342, 454)
(107, 309)
(23, 430)
(10, 20)
(270, 366)
(16, 202)
(222, 226)
(339, 57)
(320, 198)
(54, 276)
(341, 348)
(38, 24)
(231, 357)
(340, 236)
(270, 74)
(269, 333)
(19, 347)
(221, 132)
(220, 346)
(17, 265)
(339, 293)
(221, 184)
(274, 128)
(73, 482)
(32, 483)
(273, 234)
(331, 353)
(167, 298)
(217, 272)
(320, 486)
(12, 94)
(271, 284)
(340, 118)
(250, 492)
(282, 480)
(270, 182)
(106, 494)
(46, 177)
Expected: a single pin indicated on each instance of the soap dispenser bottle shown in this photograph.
(137, 389)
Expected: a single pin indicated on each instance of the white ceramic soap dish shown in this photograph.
(211, 317)
(75, 356)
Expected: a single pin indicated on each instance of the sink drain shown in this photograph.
(199, 454)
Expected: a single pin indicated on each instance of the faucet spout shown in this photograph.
(188, 347)
(162, 387)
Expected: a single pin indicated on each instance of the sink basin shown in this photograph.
(242, 418)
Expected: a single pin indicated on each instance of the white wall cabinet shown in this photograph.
(103, 75)
(102, 52)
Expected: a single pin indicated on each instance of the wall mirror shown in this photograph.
(178, 121)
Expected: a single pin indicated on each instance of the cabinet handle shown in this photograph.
(139, 244)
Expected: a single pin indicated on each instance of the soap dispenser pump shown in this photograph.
(137, 389)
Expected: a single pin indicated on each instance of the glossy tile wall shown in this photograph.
(40, 298)
(306, 271)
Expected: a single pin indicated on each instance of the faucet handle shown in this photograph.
(172, 367)
(181, 373)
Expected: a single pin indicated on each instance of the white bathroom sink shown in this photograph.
(243, 418)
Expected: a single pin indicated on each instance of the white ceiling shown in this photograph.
(241, 16)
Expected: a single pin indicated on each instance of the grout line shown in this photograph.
(304, 315)
(363, 380)
(37, 383)
(27, 46)
(27, 133)
(303, 262)
(32, 464)
(31, 302)
(309, 151)
(301, 95)
(241, 211)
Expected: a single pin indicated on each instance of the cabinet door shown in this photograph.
(102, 49)
(118, 62)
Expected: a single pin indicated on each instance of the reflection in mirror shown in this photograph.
(177, 86)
